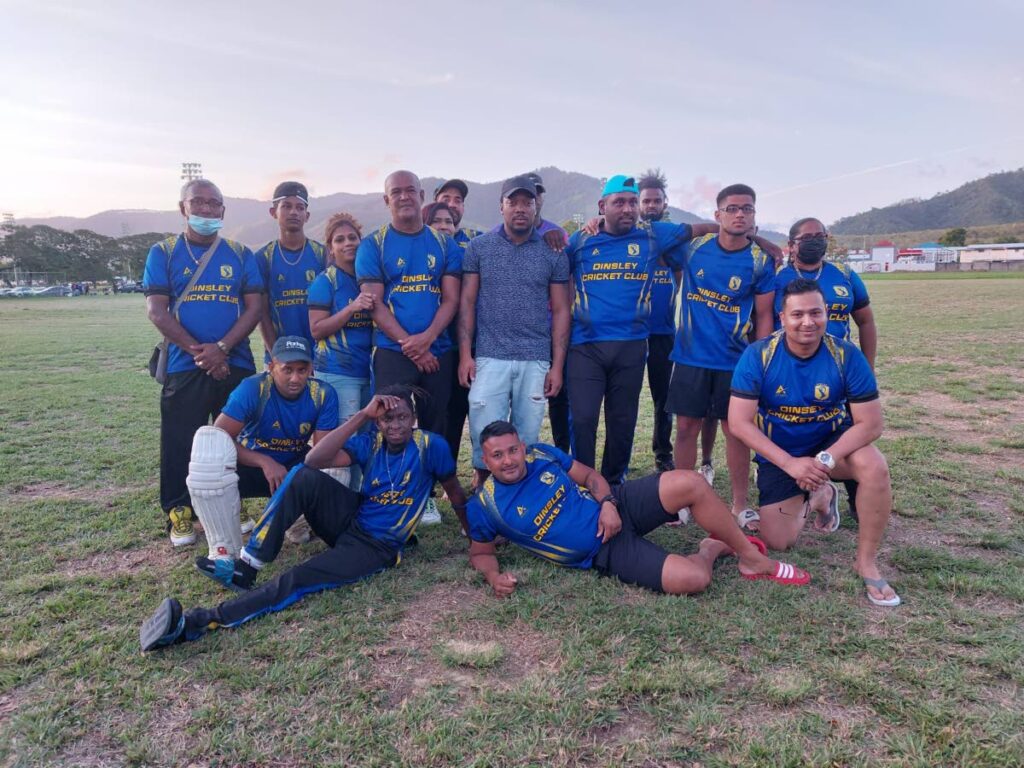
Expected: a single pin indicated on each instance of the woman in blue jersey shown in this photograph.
(440, 217)
(340, 320)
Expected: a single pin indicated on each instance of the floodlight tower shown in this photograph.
(191, 171)
(7, 225)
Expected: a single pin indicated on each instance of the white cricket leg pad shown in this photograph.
(342, 474)
(213, 484)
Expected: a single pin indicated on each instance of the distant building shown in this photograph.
(926, 257)
(992, 252)
(879, 259)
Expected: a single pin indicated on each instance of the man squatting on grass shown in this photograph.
(563, 511)
(365, 532)
(807, 404)
(263, 431)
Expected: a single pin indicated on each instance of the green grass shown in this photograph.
(420, 666)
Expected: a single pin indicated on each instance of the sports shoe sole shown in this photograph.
(183, 541)
(163, 627)
(220, 582)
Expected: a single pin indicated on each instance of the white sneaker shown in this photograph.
(430, 516)
(247, 525)
(684, 518)
(708, 473)
(748, 519)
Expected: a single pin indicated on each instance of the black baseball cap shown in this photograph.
(538, 182)
(291, 349)
(518, 184)
(459, 184)
(291, 189)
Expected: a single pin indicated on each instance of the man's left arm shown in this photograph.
(867, 428)
(868, 333)
(214, 359)
(770, 248)
(560, 323)
(764, 306)
(609, 522)
(457, 497)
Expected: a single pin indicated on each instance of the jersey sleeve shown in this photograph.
(320, 295)
(559, 268)
(368, 266)
(860, 292)
(453, 257)
(439, 458)
(480, 526)
(670, 236)
(748, 376)
(252, 278)
(263, 262)
(560, 457)
(861, 386)
(470, 259)
(327, 418)
(765, 282)
(155, 280)
(359, 448)
(244, 401)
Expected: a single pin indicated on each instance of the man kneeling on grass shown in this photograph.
(366, 532)
(807, 404)
(565, 512)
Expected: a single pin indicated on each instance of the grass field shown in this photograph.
(420, 666)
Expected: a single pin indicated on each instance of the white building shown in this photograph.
(992, 252)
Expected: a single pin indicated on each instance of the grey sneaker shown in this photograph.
(707, 472)
(431, 516)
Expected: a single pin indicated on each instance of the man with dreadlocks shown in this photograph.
(366, 532)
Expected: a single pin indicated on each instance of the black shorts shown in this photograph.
(699, 392)
(629, 556)
(774, 485)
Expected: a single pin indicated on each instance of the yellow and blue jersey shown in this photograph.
(275, 425)
(396, 485)
(216, 300)
(347, 350)
(612, 279)
(287, 276)
(464, 235)
(411, 268)
(803, 401)
(663, 291)
(545, 513)
(844, 291)
(714, 310)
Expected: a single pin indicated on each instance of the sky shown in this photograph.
(825, 109)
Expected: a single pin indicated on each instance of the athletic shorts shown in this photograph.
(699, 392)
(629, 556)
(774, 485)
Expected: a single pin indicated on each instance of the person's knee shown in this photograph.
(684, 487)
(778, 539)
(687, 428)
(868, 466)
(682, 577)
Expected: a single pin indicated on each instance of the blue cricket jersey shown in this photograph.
(411, 268)
(663, 291)
(464, 235)
(545, 513)
(276, 426)
(217, 299)
(803, 401)
(612, 277)
(714, 312)
(844, 291)
(347, 350)
(287, 276)
(396, 486)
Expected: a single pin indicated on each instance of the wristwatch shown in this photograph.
(825, 458)
(610, 498)
(223, 347)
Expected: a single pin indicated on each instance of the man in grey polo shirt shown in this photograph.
(509, 276)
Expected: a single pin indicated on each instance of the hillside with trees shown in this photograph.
(72, 256)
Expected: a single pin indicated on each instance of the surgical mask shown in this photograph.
(812, 251)
(203, 226)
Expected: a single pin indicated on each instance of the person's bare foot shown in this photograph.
(714, 549)
(877, 588)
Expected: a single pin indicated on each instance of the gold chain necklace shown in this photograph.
(285, 258)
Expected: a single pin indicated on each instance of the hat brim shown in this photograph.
(292, 356)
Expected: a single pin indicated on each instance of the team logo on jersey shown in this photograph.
(841, 290)
(400, 263)
(304, 427)
(226, 270)
(310, 274)
(633, 249)
(547, 478)
(700, 272)
(376, 481)
(276, 425)
(781, 390)
(280, 278)
(596, 252)
(734, 283)
(187, 271)
(821, 391)
(521, 510)
(431, 261)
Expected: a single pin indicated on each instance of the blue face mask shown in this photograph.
(204, 226)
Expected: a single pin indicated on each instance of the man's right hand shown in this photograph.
(467, 371)
(364, 301)
(427, 363)
(503, 584)
(808, 472)
(275, 474)
(379, 405)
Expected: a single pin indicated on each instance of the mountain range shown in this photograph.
(249, 221)
(994, 199)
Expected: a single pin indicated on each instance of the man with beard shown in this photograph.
(365, 532)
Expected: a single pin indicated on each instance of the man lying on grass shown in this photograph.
(365, 532)
(807, 404)
(563, 511)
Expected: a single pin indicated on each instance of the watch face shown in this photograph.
(826, 458)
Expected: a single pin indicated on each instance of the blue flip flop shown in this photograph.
(880, 585)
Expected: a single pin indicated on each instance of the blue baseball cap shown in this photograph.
(620, 183)
(291, 349)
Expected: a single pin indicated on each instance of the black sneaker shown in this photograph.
(664, 465)
(236, 575)
(165, 627)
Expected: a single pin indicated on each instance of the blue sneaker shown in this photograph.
(165, 627)
(236, 575)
